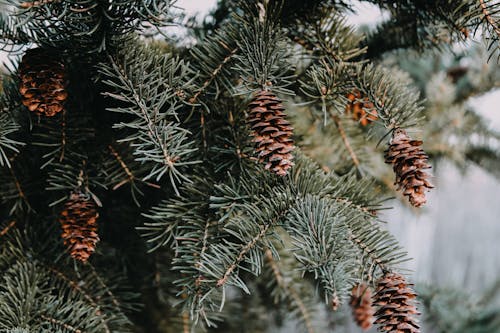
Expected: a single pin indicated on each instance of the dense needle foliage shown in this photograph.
(195, 234)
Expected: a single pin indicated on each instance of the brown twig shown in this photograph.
(293, 293)
(130, 175)
(27, 4)
(488, 17)
(205, 85)
(214, 73)
(63, 135)
(347, 144)
(241, 255)
(60, 323)
(9, 226)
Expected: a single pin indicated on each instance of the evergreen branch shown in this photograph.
(75, 286)
(7, 127)
(130, 175)
(324, 32)
(320, 243)
(379, 248)
(155, 133)
(215, 72)
(241, 255)
(488, 16)
(292, 293)
(60, 323)
(99, 279)
(19, 189)
(263, 60)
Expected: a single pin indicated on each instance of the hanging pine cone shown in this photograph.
(79, 223)
(361, 305)
(362, 109)
(272, 132)
(43, 82)
(409, 161)
(395, 299)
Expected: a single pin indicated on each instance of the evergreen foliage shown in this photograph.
(194, 233)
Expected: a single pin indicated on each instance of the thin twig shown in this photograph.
(212, 77)
(124, 166)
(347, 144)
(105, 286)
(250, 245)
(38, 3)
(293, 293)
(60, 323)
(489, 18)
(63, 135)
(7, 228)
(214, 73)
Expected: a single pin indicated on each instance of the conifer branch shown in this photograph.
(75, 286)
(99, 279)
(130, 175)
(61, 324)
(241, 256)
(215, 72)
(19, 188)
(489, 18)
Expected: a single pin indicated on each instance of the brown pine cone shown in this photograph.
(361, 305)
(395, 299)
(43, 82)
(79, 223)
(361, 108)
(409, 161)
(272, 132)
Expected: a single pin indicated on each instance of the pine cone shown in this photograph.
(361, 305)
(362, 111)
(272, 132)
(408, 161)
(43, 82)
(79, 223)
(395, 299)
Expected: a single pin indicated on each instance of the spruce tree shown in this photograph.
(233, 183)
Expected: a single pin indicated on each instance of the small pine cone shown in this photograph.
(272, 132)
(361, 108)
(361, 305)
(79, 223)
(409, 161)
(395, 300)
(43, 82)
